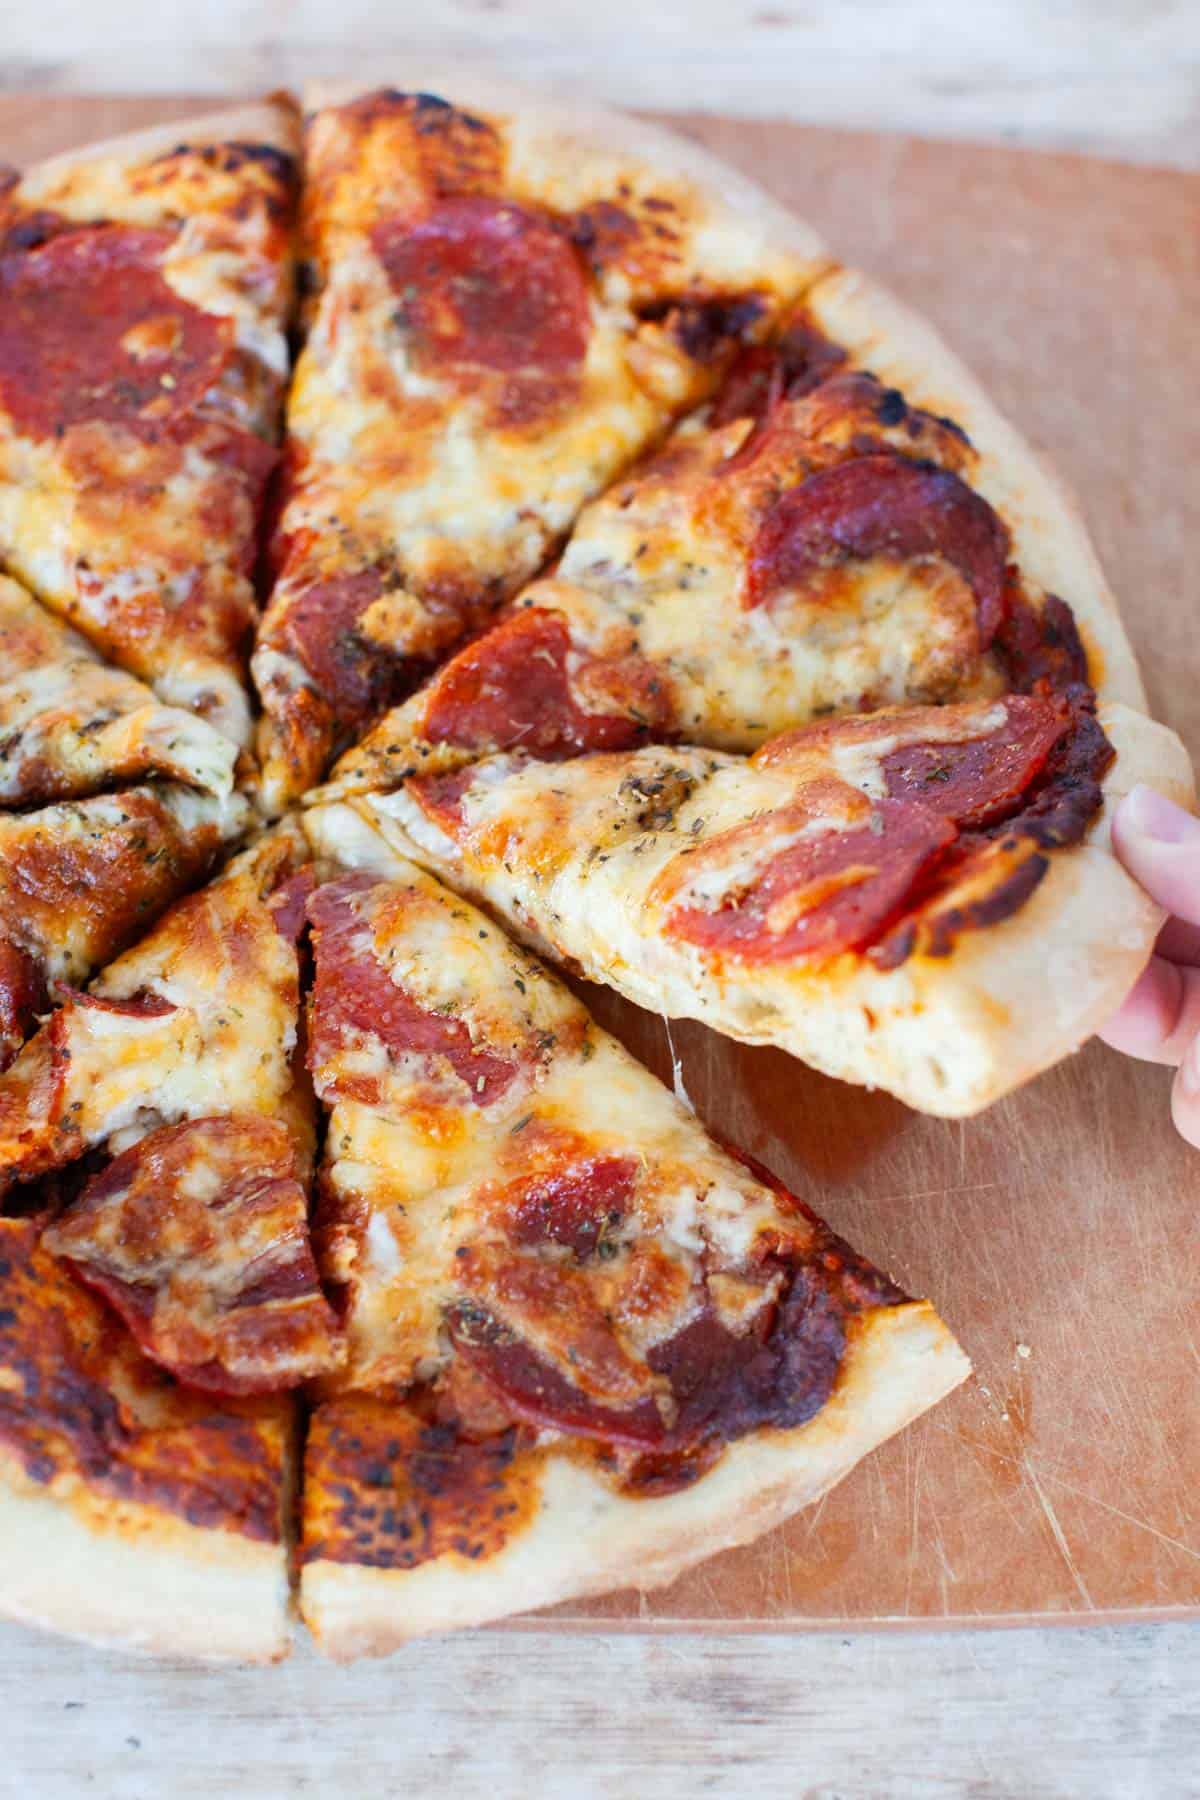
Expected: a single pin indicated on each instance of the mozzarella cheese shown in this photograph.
(425, 1175)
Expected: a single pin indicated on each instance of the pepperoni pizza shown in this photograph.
(500, 318)
(664, 588)
(144, 293)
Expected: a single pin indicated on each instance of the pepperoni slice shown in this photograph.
(535, 1392)
(441, 797)
(198, 1236)
(354, 997)
(511, 690)
(824, 894)
(719, 1384)
(89, 329)
(288, 904)
(576, 1207)
(981, 779)
(484, 284)
(354, 675)
(22, 992)
(768, 373)
(882, 505)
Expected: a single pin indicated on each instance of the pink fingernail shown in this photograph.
(1189, 1071)
(1153, 816)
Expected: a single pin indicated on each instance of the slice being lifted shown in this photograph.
(819, 539)
(144, 288)
(509, 307)
(588, 1347)
(921, 899)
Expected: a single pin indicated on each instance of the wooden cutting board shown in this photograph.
(1059, 1234)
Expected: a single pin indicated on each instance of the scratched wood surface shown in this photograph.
(1118, 77)
(1059, 1234)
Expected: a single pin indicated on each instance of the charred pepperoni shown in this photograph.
(882, 505)
(355, 998)
(90, 329)
(356, 676)
(981, 779)
(827, 893)
(768, 373)
(579, 1207)
(511, 690)
(484, 284)
(22, 992)
(198, 1236)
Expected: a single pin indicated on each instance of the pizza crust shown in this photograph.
(948, 1035)
(271, 122)
(573, 141)
(128, 1577)
(589, 1539)
(1050, 539)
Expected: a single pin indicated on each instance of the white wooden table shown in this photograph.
(1030, 1714)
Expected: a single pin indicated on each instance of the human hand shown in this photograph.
(1159, 843)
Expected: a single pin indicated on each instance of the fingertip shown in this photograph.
(1185, 1096)
(1159, 844)
(1146, 1024)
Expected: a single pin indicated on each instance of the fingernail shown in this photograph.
(1189, 1071)
(1153, 816)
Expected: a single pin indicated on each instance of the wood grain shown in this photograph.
(1062, 1483)
(1121, 78)
(1106, 1714)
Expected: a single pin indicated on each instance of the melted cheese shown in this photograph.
(70, 724)
(408, 468)
(428, 1167)
(232, 982)
(115, 533)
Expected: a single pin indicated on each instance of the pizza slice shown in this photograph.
(509, 303)
(80, 880)
(587, 1346)
(72, 725)
(144, 292)
(158, 1291)
(198, 1020)
(848, 524)
(921, 899)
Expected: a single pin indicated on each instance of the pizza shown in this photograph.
(563, 1301)
(111, 805)
(71, 724)
(159, 1299)
(144, 293)
(845, 526)
(525, 1286)
(615, 582)
(81, 879)
(498, 321)
(921, 899)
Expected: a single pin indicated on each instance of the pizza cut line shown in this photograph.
(634, 588)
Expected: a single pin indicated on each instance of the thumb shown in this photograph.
(1159, 843)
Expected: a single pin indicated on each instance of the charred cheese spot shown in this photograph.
(82, 1413)
(389, 1488)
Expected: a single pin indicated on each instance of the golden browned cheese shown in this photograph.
(492, 336)
(143, 309)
